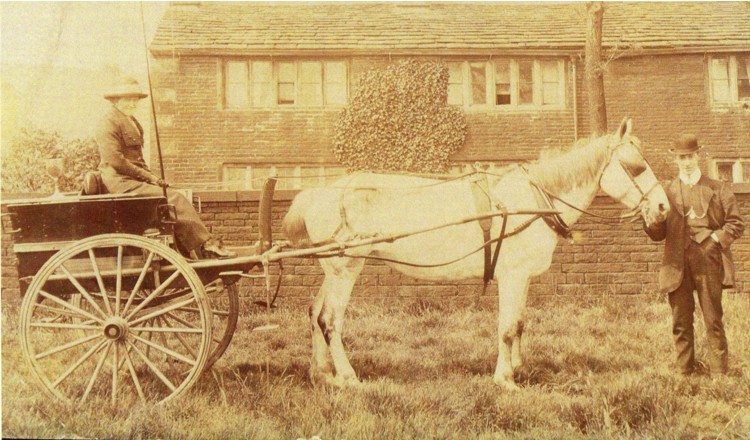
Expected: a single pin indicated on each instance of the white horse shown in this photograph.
(371, 205)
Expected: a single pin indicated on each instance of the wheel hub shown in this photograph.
(115, 328)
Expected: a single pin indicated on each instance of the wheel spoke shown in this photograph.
(133, 374)
(165, 350)
(83, 291)
(181, 339)
(96, 372)
(138, 283)
(163, 311)
(56, 325)
(70, 306)
(196, 310)
(115, 369)
(67, 346)
(118, 283)
(166, 330)
(78, 363)
(56, 310)
(154, 294)
(153, 367)
(100, 281)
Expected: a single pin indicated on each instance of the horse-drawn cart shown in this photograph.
(111, 307)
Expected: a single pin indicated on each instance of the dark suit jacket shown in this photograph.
(120, 141)
(723, 218)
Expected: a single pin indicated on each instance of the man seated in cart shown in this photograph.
(123, 169)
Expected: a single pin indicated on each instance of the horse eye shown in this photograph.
(635, 169)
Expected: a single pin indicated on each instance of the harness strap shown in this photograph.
(483, 203)
(555, 221)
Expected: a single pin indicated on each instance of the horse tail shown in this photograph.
(293, 224)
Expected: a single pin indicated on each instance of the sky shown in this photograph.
(57, 58)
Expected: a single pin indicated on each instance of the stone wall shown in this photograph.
(605, 259)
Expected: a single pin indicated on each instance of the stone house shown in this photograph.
(243, 89)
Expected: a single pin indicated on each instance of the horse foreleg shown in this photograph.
(331, 318)
(516, 357)
(512, 298)
(321, 368)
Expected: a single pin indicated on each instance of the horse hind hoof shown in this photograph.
(506, 384)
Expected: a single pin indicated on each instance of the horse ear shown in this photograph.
(624, 128)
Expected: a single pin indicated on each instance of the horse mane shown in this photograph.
(560, 170)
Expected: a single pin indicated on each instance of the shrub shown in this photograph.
(24, 161)
(398, 120)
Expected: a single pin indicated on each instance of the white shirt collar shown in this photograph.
(691, 179)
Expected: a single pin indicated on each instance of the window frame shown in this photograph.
(490, 73)
(732, 80)
(325, 174)
(738, 172)
(328, 88)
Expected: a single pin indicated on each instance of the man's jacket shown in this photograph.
(723, 218)
(120, 141)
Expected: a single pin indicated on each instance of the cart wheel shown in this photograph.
(136, 325)
(225, 305)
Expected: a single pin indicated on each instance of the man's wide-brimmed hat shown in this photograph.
(685, 144)
(127, 88)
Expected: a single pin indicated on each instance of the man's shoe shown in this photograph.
(213, 248)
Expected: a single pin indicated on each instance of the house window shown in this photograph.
(236, 80)
(729, 79)
(732, 170)
(507, 83)
(303, 83)
(290, 176)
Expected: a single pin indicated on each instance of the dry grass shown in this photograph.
(597, 367)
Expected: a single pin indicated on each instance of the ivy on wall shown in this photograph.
(24, 161)
(399, 120)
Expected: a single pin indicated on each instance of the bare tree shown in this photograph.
(594, 68)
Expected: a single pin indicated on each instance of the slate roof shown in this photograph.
(244, 28)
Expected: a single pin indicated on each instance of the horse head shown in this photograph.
(627, 176)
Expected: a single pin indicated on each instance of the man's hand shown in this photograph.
(650, 217)
(161, 182)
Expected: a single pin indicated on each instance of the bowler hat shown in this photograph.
(128, 88)
(685, 144)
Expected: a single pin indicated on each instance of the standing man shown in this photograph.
(123, 169)
(700, 227)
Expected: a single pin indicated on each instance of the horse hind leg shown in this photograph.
(339, 282)
(512, 298)
(321, 367)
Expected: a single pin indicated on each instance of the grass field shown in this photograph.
(596, 367)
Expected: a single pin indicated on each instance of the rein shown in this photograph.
(633, 214)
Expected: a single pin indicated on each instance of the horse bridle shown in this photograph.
(644, 193)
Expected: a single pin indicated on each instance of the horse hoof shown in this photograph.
(349, 382)
(509, 385)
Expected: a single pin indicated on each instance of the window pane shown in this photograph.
(286, 178)
(725, 171)
(260, 174)
(236, 84)
(746, 171)
(743, 77)
(502, 83)
(262, 90)
(720, 80)
(311, 77)
(287, 79)
(525, 82)
(335, 83)
(478, 83)
(234, 177)
(286, 93)
(333, 174)
(455, 84)
(550, 83)
(311, 177)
